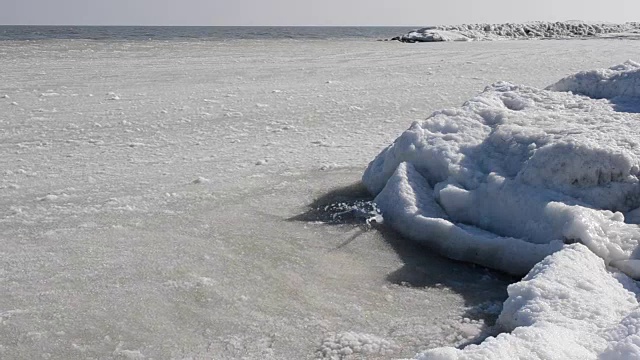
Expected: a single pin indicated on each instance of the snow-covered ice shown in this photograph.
(142, 227)
(568, 307)
(539, 166)
(517, 174)
(619, 84)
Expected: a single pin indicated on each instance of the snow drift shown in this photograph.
(517, 174)
(532, 30)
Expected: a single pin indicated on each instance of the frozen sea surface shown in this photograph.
(147, 189)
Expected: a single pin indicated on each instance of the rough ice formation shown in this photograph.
(532, 30)
(344, 344)
(409, 205)
(516, 177)
(556, 312)
(516, 168)
(622, 81)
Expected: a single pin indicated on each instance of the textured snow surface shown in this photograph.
(531, 30)
(349, 343)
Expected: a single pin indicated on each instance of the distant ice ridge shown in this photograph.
(521, 178)
(532, 30)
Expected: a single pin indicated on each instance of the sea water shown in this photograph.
(204, 33)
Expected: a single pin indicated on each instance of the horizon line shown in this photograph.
(315, 25)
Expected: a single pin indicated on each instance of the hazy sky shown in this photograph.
(309, 12)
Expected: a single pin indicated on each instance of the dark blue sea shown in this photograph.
(204, 33)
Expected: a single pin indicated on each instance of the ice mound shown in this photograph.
(620, 81)
(518, 169)
(408, 204)
(520, 178)
(532, 30)
(556, 312)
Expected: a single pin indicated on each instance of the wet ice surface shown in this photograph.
(147, 188)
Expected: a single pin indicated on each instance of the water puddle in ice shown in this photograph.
(422, 275)
(349, 205)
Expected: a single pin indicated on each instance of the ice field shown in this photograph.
(154, 202)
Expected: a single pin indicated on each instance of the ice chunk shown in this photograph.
(568, 307)
(519, 166)
(514, 175)
(409, 206)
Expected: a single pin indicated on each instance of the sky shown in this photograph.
(309, 12)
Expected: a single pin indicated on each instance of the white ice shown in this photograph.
(568, 307)
(511, 176)
(537, 165)
(620, 84)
